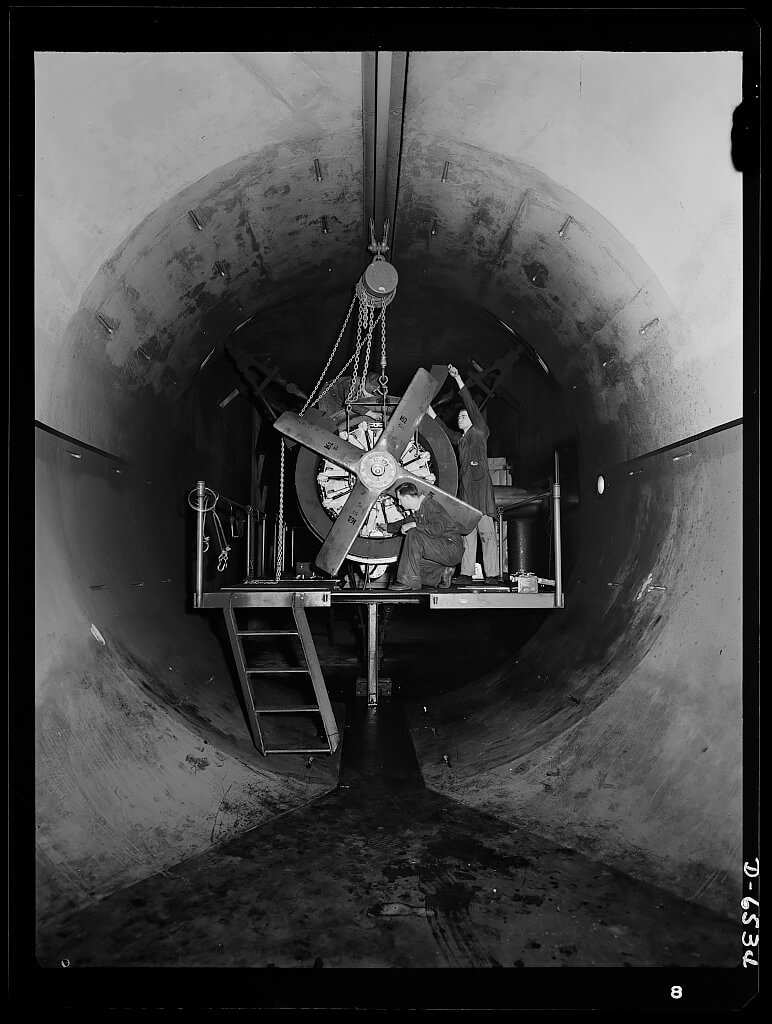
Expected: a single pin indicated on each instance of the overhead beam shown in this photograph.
(383, 91)
(382, 98)
(368, 141)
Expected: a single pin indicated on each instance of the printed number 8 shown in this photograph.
(676, 992)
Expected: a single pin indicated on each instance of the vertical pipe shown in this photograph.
(524, 546)
(275, 547)
(372, 654)
(501, 543)
(556, 525)
(261, 563)
(292, 550)
(201, 495)
(250, 545)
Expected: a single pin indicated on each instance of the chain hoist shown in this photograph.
(374, 291)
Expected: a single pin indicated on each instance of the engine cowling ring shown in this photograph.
(373, 550)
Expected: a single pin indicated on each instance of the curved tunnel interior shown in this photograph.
(611, 726)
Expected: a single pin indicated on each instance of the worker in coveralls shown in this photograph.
(476, 486)
(433, 543)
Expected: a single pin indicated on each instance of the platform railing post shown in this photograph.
(556, 527)
(200, 496)
(250, 545)
(501, 543)
(275, 546)
(261, 549)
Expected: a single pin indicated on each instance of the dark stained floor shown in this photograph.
(383, 873)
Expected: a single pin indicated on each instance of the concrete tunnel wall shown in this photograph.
(612, 731)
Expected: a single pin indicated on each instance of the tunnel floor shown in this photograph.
(381, 872)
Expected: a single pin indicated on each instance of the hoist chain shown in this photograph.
(335, 379)
(361, 320)
(365, 320)
(280, 523)
(370, 327)
(332, 355)
(383, 380)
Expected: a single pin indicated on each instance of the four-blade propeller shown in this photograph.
(377, 470)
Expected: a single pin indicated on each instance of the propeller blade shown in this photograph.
(408, 414)
(346, 527)
(466, 516)
(320, 440)
(440, 372)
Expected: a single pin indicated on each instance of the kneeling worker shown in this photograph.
(433, 545)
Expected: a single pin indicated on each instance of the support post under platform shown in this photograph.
(376, 686)
(372, 654)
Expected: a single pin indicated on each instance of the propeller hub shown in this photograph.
(378, 470)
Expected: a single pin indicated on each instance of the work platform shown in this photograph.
(322, 594)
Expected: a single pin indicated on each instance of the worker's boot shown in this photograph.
(447, 576)
(463, 579)
(416, 585)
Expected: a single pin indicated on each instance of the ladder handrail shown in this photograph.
(312, 660)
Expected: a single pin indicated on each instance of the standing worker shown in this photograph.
(476, 486)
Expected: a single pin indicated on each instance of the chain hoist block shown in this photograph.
(378, 284)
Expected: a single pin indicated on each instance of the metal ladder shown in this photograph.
(322, 707)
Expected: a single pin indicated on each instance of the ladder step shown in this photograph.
(297, 750)
(267, 632)
(295, 710)
(274, 671)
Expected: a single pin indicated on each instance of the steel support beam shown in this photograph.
(383, 91)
